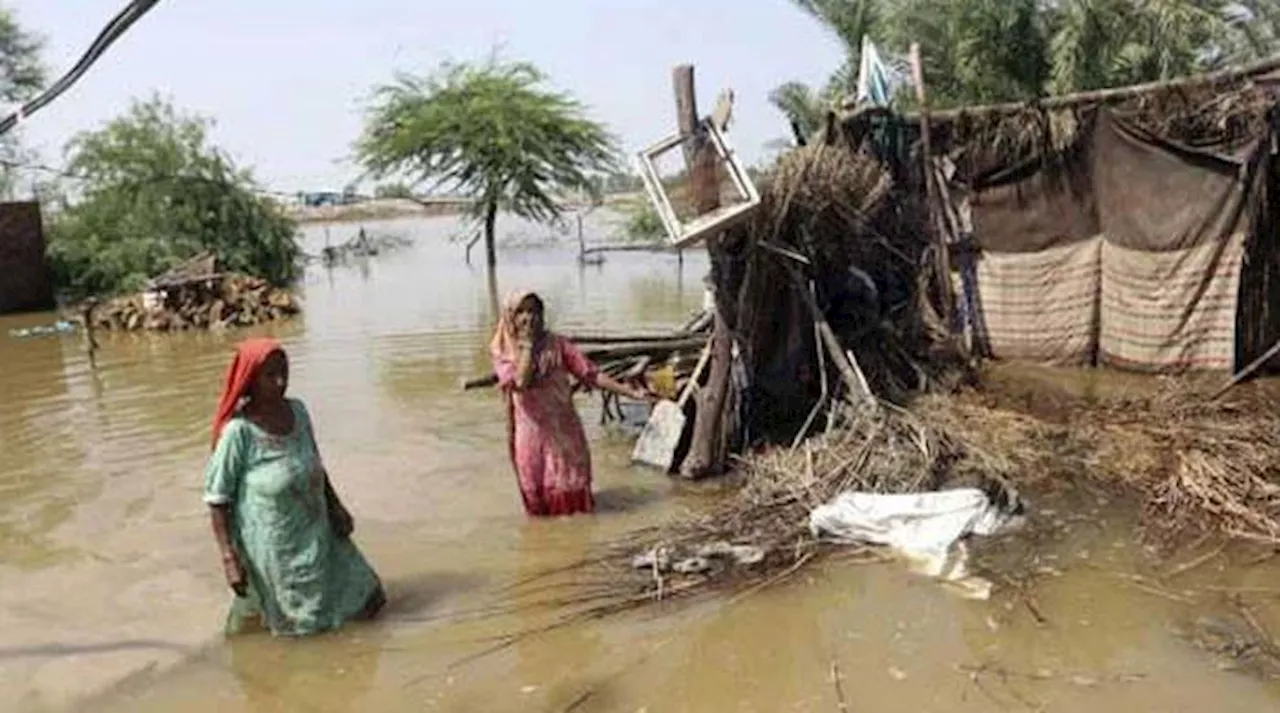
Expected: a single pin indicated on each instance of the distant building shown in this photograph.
(312, 200)
(25, 282)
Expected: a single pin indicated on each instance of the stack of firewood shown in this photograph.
(203, 302)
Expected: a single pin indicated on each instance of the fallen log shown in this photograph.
(591, 339)
(655, 350)
(655, 248)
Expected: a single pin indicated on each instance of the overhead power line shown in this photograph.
(112, 32)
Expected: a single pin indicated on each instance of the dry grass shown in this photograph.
(1223, 116)
(1197, 466)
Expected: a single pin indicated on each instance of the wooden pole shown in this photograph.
(91, 344)
(706, 456)
(1103, 96)
(943, 258)
(1247, 371)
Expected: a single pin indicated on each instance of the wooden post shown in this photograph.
(943, 259)
(91, 344)
(705, 455)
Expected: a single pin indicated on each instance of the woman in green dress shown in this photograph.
(284, 535)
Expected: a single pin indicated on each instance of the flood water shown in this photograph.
(112, 599)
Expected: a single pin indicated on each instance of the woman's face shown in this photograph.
(529, 316)
(273, 379)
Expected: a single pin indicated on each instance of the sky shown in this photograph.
(287, 82)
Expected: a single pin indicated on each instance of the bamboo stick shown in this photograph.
(1098, 96)
(943, 257)
(1247, 371)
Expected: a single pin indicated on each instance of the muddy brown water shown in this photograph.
(111, 597)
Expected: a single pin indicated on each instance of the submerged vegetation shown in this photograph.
(640, 221)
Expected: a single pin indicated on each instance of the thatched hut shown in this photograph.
(1130, 227)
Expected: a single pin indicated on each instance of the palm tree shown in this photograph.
(980, 51)
(850, 20)
(802, 106)
(491, 132)
(1107, 43)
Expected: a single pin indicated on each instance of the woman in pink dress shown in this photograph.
(545, 436)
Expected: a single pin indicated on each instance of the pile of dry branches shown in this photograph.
(212, 302)
(760, 534)
(827, 209)
(1199, 466)
(983, 140)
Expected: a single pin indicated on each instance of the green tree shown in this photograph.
(155, 193)
(981, 51)
(489, 131)
(22, 74)
(803, 107)
(640, 221)
(393, 190)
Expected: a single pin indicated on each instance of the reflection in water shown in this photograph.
(314, 675)
(495, 297)
(555, 680)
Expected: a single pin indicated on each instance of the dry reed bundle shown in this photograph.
(836, 207)
(760, 534)
(1222, 115)
(826, 201)
(1198, 466)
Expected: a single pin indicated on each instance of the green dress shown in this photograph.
(303, 578)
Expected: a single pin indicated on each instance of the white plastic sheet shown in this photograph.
(923, 527)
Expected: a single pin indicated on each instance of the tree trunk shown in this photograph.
(706, 454)
(490, 240)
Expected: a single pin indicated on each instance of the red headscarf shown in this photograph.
(251, 354)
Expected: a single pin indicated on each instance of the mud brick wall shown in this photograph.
(25, 283)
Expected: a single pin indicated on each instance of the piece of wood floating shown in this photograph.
(627, 349)
(592, 339)
(480, 382)
(656, 248)
(653, 349)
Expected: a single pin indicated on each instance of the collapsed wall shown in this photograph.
(25, 282)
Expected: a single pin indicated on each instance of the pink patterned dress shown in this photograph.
(547, 441)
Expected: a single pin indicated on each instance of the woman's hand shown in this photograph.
(524, 327)
(641, 393)
(234, 572)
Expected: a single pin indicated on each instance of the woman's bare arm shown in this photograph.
(220, 518)
(608, 383)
